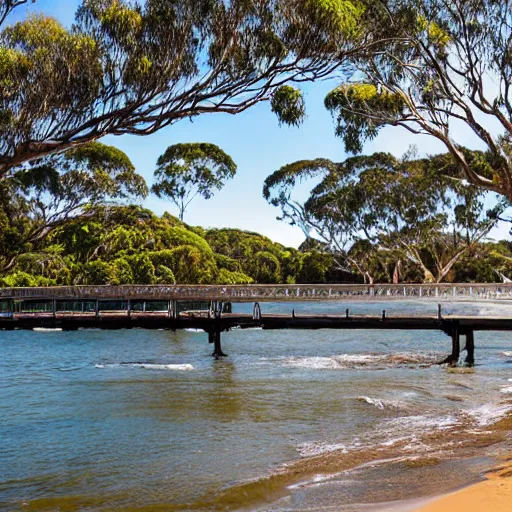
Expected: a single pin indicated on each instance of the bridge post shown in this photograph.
(129, 308)
(453, 358)
(214, 333)
(470, 348)
(256, 311)
(217, 347)
(172, 309)
(97, 308)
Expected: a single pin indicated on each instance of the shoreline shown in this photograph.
(494, 493)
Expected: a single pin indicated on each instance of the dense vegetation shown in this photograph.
(129, 244)
(379, 212)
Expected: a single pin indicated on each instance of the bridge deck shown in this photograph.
(454, 326)
(162, 320)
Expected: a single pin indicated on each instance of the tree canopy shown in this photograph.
(377, 208)
(136, 67)
(446, 69)
(185, 171)
(38, 199)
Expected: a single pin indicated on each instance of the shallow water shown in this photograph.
(147, 420)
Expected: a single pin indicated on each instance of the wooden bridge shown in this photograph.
(171, 307)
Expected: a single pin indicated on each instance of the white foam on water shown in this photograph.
(381, 403)
(422, 424)
(321, 479)
(507, 354)
(47, 329)
(310, 449)
(489, 413)
(316, 480)
(349, 361)
(329, 363)
(507, 390)
(188, 329)
(148, 366)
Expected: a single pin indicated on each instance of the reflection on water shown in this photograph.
(143, 420)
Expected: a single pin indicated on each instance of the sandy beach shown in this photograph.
(493, 495)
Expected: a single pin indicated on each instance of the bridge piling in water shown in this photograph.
(214, 332)
(454, 332)
(470, 348)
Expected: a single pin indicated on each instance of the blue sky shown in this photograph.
(257, 144)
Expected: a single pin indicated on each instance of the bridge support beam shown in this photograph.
(470, 348)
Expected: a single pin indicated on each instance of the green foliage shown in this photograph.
(187, 170)
(266, 267)
(67, 185)
(25, 279)
(164, 275)
(227, 277)
(288, 104)
(97, 272)
(341, 16)
(347, 102)
(142, 269)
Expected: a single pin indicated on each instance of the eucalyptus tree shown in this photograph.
(193, 169)
(139, 66)
(58, 188)
(445, 71)
(371, 209)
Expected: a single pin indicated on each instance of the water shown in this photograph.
(148, 421)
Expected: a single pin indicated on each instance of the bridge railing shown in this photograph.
(262, 293)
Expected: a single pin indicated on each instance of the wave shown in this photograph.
(148, 366)
(47, 329)
(420, 433)
(507, 354)
(506, 390)
(350, 361)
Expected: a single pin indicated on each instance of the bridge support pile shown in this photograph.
(215, 329)
(456, 332)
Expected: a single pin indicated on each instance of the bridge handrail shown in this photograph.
(264, 292)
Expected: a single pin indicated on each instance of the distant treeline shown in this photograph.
(131, 245)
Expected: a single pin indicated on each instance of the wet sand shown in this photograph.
(493, 494)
